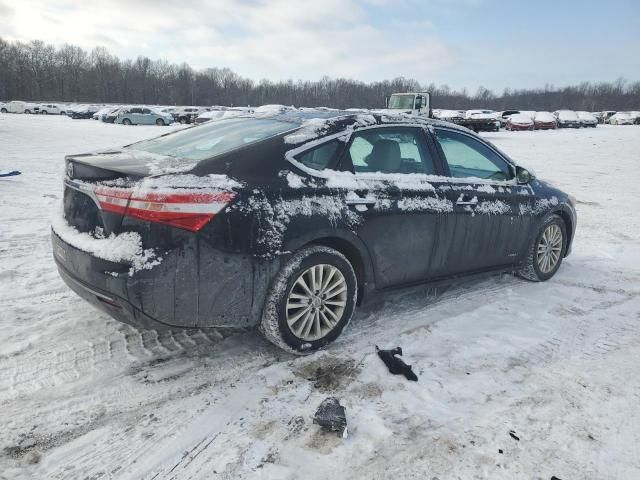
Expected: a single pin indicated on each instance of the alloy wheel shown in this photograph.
(549, 248)
(316, 302)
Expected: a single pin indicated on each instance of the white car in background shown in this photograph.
(622, 118)
(587, 119)
(50, 109)
(17, 106)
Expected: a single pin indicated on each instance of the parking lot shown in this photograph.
(555, 363)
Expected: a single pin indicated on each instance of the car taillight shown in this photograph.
(190, 211)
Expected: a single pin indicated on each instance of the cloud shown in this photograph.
(273, 39)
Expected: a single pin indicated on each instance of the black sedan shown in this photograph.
(289, 223)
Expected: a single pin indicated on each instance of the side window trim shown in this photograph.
(334, 158)
(291, 155)
(445, 164)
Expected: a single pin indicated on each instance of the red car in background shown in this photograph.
(519, 121)
(544, 121)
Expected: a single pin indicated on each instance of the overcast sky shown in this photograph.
(463, 43)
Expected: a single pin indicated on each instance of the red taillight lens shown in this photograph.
(190, 211)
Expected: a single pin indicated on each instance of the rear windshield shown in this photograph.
(211, 139)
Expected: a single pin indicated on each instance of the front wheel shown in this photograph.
(4, 110)
(160, 122)
(546, 251)
(311, 300)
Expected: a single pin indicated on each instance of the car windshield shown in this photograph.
(213, 138)
(401, 101)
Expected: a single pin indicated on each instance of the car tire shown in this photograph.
(549, 245)
(295, 316)
(160, 122)
(27, 112)
(183, 120)
(43, 112)
(4, 110)
(126, 121)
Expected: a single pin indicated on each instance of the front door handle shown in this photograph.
(466, 201)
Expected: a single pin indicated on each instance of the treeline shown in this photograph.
(39, 72)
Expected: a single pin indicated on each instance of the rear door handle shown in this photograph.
(361, 201)
(463, 201)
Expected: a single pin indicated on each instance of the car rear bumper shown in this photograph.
(222, 290)
(520, 127)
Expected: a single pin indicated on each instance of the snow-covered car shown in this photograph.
(607, 114)
(224, 113)
(143, 116)
(17, 106)
(622, 118)
(544, 121)
(587, 119)
(519, 121)
(289, 221)
(111, 115)
(504, 116)
(84, 112)
(186, 115)
(448, 115)
(567, 119)
(529, 113)
(487, 120)
(50, 109)
(99, 115)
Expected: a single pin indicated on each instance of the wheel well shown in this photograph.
(567, 223)
(352, 254)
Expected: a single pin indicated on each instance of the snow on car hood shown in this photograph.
(520, 119)
(544, 117)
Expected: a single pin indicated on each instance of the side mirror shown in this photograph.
(524, 176)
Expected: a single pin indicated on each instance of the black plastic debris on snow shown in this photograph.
(554, 478)
(395, 364)
(331, 416)
(513, 435)
(10, 174)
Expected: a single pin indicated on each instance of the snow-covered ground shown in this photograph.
(82, 396)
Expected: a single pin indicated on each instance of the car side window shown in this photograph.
(391, 150)
(146, 110)
(467, 157)
(319, 157)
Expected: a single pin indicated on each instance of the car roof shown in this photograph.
(315, 124)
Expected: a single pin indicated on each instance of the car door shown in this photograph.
(489, 225)
(135, 115)
(146, 118)
(393, 191)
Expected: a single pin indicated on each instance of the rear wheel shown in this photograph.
(160, 122)
(126, 121)
(28, 112)
(43, 112)
(311, 300)
(546, 251)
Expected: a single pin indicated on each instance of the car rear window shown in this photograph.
(214, 138)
